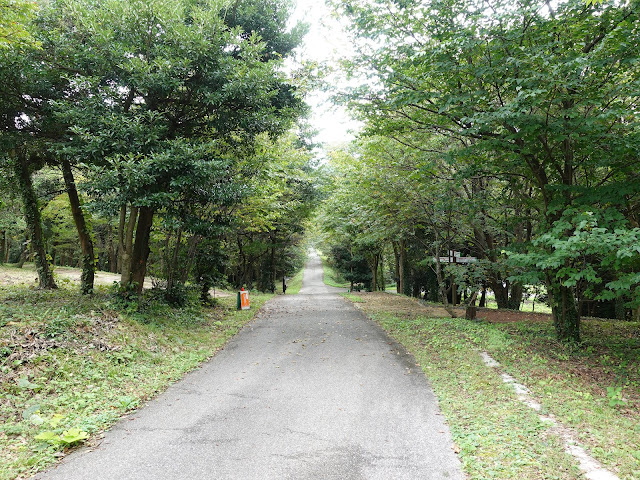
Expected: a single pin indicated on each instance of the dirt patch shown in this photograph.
(408, 307)
(617, 342)
(507, 316)
(27, 275)
(401, 306)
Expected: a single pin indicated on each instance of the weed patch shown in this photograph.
(71, 365)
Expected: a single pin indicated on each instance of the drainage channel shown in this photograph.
(593, 470)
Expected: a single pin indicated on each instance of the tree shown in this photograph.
(148, 79)
(539, 92)
(14, 17)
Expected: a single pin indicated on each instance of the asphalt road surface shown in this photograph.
(312, 389)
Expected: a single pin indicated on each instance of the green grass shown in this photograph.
(352, 297)
(331, 277)
(294, 284)
(527, 306)
(498, 436)
(84, 361)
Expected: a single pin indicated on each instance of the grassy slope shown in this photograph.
(331, 277)
(89, 361)
(498, 437)
(294, 284)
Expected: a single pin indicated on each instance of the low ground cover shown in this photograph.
(593, 388)
(294, 284)
(71, 365)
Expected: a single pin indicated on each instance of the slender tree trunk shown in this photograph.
(374, 273)
(442, 286)
(121, 237)
(173, 265)
(382, 280)
(272, 273)
(113, 258)
(566, 318)
(22, 257)
(402, 251)
(396, 271)
(126, 241)
(7, 248)
(483, 297)
(34, 223)
(3, 246)
(194, 241)
(140, 251)
(86, 243)
(165, 251)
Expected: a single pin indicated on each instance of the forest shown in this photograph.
(504, 134)
(153, 139)
(169, 145)
(166, 140)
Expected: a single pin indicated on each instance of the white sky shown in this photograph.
(325, 42)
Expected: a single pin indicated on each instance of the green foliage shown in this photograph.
(174, 121)
(492, 127)
(66, 439)
(585, 248)
(614, 394)
(14, 18)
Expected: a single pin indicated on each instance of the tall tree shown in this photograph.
(146, 77)
(539, 91)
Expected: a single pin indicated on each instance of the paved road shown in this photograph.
(310, 390)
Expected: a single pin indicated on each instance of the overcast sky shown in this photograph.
(325, 42)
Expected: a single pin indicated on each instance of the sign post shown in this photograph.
(243, 300)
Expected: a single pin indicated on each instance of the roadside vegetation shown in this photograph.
(332, 277)
(71, 365)
(294, 284)
(594, 389)
(498, 158)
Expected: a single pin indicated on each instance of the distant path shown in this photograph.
(310, 390)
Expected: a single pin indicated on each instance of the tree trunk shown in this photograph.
(515, 296)
(34, 223)
(500, 291)
(7, 248)
(483, 297)
(396, 271)
(272, 274)
(442, 286)
(113, 262)
(22, 257)
(126, 244)
(173, 265)
(86, 243)
(402, 254)
(566, 318)
(382, 280)
(194, 241)
(121, 237)
(374, 273)
(3, 246)
(140, 251)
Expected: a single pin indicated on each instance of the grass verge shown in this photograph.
(294, 284)
(72, 364)
(331, 277)
(500, 438)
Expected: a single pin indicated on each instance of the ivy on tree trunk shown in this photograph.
(34, 221)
